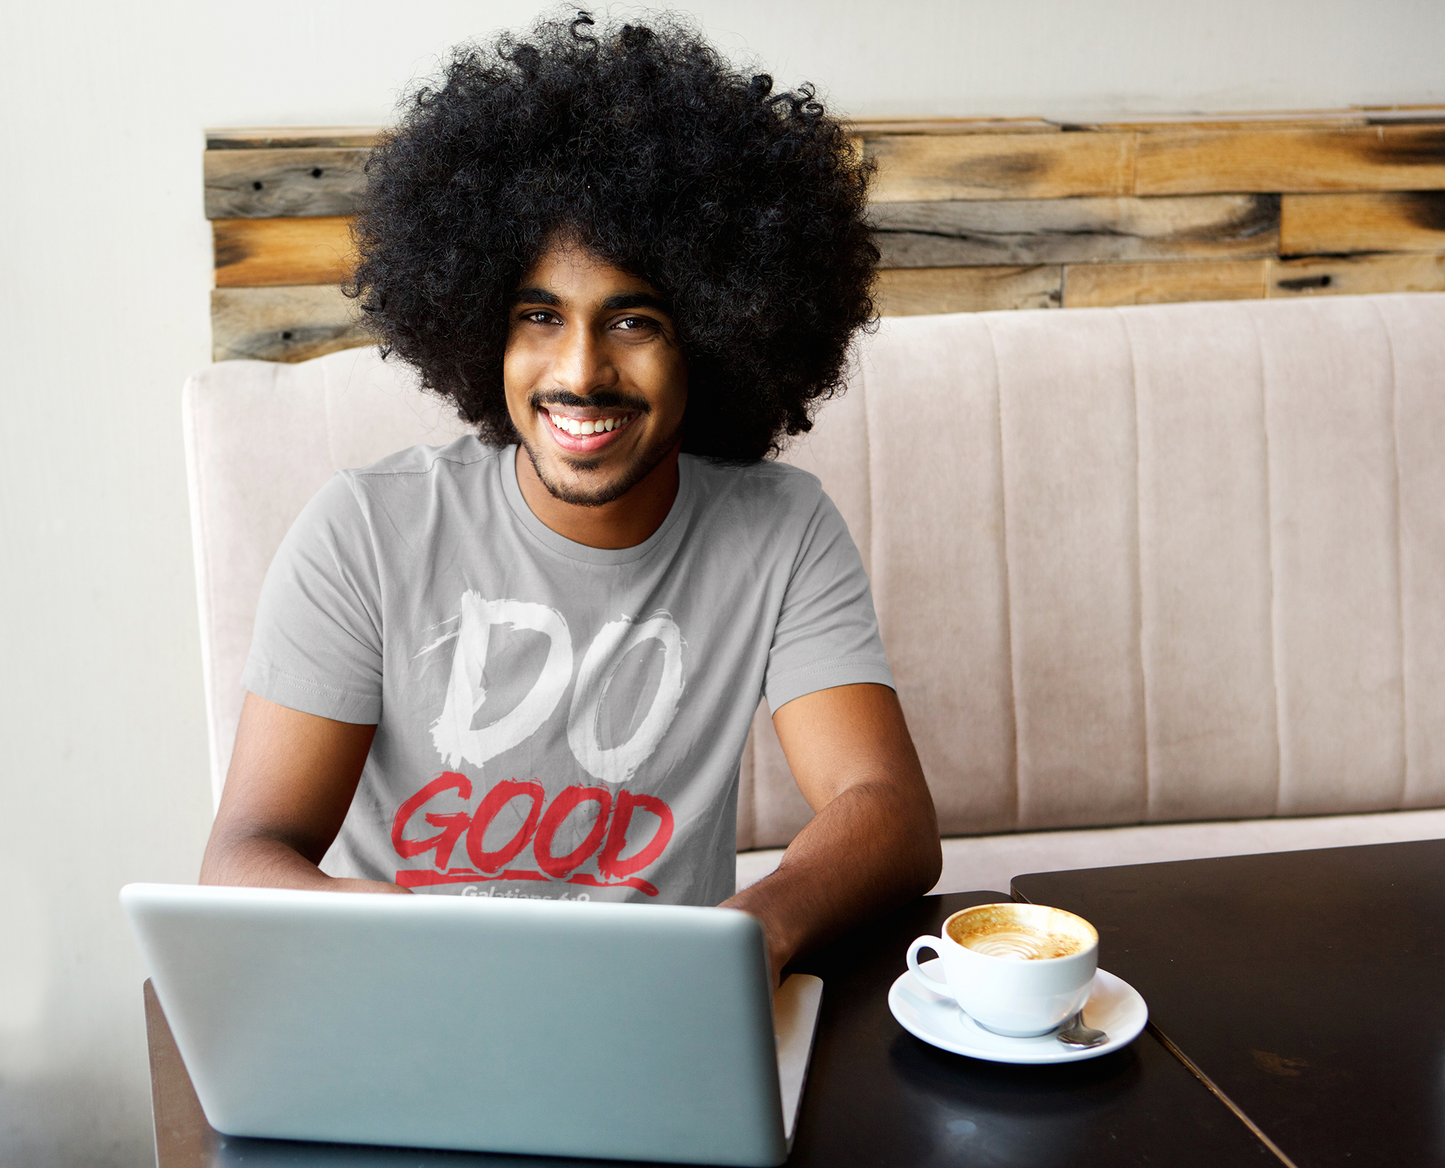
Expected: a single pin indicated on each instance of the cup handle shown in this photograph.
(935, 944)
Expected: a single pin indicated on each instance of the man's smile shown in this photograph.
(583, 431)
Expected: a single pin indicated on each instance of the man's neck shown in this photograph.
(623, 523)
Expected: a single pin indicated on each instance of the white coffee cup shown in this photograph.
(1020, 970)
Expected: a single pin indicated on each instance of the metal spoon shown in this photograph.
(1077, 1035)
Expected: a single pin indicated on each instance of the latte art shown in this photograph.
(1020, 944)
(1021, 932)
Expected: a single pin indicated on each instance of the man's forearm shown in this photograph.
(872, 848)
(255, 861)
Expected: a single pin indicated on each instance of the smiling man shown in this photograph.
(525, 664)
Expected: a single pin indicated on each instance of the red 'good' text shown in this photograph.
(609, 833)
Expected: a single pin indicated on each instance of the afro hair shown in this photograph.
(745, 208)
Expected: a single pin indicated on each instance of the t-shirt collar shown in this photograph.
(507, 469)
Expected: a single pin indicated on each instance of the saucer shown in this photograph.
(1113, 1006)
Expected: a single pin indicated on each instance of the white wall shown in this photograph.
(104, 272)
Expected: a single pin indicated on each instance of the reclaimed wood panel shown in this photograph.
(1273, 120)
(924, 167)
(324, 137)
(1108, 285)
(1380, 158)
(1361, 222)
(266, 184)
(970, 214)
(879, 127)
(1040, 231)
(923, 291)
(1356, 275)
(256, 253)
(283, 324)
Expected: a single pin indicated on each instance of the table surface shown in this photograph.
(1309, 987)
(875, 1094)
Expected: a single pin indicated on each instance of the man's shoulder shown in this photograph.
(460, 456)
(768, 484)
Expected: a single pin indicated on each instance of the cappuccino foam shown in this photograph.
(1005, 931)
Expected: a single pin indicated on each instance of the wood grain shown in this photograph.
(292, 136)
(1401, 221)
(1270, 120)
(878, 127)
(1374, 158)
(918, 167)
(283, 324)
(1038, 231)
(1356, 275)
(266, 184)
(923, 291)
(1103, 285)
(253, 253)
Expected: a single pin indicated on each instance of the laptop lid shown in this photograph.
(544, 1027)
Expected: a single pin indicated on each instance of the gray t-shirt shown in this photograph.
(555, 720)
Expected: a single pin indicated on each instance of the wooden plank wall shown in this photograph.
(970, 215)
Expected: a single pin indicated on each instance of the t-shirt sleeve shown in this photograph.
(827, 631)
(317, 643)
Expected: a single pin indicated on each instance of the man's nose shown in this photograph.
(582, 364)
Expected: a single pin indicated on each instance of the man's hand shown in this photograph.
(291, 781)
(873, 843)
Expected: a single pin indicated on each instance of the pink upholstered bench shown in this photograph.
(1156, 583)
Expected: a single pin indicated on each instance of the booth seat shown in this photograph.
(1155, 582)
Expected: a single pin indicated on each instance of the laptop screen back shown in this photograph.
(544, 1027)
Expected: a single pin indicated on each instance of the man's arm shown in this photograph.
(873, 843)
(291, 781)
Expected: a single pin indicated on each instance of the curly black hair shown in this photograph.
(743, 207)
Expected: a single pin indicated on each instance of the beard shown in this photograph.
(604, 492)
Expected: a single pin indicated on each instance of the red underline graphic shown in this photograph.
(421, 878)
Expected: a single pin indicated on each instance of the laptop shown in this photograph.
(561, 1028)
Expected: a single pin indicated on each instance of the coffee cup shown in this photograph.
(1019, 970)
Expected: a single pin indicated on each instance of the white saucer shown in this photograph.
(1114, 1006)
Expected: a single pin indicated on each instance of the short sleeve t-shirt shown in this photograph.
(555, 720)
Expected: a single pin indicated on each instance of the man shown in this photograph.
(526, 665)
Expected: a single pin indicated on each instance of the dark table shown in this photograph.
(875, 1094)
(1307, 987)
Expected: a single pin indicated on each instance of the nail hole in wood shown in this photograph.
(257, 185)
(315, 172)
(286, 336)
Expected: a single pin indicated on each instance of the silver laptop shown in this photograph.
(559, 1028)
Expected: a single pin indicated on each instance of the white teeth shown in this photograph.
(577, 428)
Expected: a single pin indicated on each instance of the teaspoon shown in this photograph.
(1079, 1036)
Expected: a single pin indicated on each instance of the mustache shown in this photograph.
(603, 399)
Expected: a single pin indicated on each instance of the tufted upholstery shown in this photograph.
(1131, 565)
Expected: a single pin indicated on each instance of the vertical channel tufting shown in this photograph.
(1333, 483)
(938, 574)
(1273, 566)
(1070, 453)
(1013, 697)
(1394, 400)
(1415, 323)
(1147, 760)
(1204, 579)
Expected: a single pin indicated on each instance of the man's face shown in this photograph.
(595, 378)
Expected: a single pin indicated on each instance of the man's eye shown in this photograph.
(636, 322)
(537, 316)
